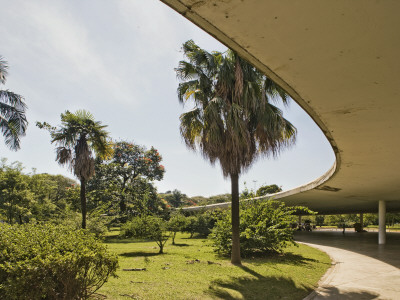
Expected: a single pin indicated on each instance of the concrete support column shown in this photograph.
(299, 219)
(382, 222)
(362, 221)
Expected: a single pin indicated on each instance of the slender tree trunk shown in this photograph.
(235, 256)
(83, 202)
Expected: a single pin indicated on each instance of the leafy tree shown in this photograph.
(176, 223)
(147, 227)
(126, 178)
(52, 195)
(77, 138)
(17, 201)
(175, 198)
(268, 189)
(233, 120)
(13, 121)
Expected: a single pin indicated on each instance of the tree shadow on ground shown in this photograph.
(195, 237)
(258, 287)
(334, 293)
(180, 245)
(118, 240)
(287, 258)
(139, 254)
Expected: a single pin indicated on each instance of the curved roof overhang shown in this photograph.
(339, 61)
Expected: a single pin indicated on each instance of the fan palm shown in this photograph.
(13, 121)
(233, 121)
(77, 138)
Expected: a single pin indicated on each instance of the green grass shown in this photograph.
(394, 227)
(191, 270)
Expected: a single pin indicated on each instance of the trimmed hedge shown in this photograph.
(51, 262)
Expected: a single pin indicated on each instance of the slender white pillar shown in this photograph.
(382, 222)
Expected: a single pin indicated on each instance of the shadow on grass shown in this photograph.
(195, 237)
(287, 258)
(257, 287)
(118, 240)
(139, 254)
(180, 245)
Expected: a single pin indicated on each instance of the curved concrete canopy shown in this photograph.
(339, 60)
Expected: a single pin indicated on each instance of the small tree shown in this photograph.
(147, 227)
(176, 223)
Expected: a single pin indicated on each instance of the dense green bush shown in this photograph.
(147, 227)
(51, 262)
(264, 227)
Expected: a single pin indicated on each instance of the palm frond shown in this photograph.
(3, 70)
(233, 121)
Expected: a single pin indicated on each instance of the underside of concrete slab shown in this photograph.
(339, 61)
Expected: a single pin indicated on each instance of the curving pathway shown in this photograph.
(361, 269)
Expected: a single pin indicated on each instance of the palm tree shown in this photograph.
(77, 138)
(13, 121)
(233, 121)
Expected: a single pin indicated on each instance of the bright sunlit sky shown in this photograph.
(116, 59)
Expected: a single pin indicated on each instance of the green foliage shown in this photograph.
(123, 183)
(265, 226)
(339, 220)
(268, 189)
(176, 223)
(12, 112)
(78, 139)
(175, 198)
(147, 227)
(35, 197)
(17, 200)
(51, 262)
(319, 220)
(202, 223)
(190, 226)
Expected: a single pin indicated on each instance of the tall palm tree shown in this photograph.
(77, 138)
(233, 121)
(13, 121)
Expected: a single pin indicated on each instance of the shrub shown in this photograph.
(51, 262)
(264, 227)
(176, 223)
(147, 227)
(190, 226)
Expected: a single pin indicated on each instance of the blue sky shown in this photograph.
(116, 59)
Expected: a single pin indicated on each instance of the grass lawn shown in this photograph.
(191, 270)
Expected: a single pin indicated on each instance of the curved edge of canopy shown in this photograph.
(300, 189)
(191, 15)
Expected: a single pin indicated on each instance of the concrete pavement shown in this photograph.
(361, 269)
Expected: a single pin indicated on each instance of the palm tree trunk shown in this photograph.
(235, 256)
(83, 202)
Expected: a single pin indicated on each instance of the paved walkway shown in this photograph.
(361, 269)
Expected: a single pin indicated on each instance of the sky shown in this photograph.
(116, 59)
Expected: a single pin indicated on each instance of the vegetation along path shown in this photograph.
(191, 270)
